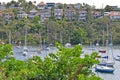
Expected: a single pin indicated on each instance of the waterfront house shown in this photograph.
(13, 5)
(58, 13)
(69, 14)
(77, 6)
(6, 15)
(32, 13)
(97, 14)
(41, 6)
(21, 14)
(68, 6)
(50, 5)
(114, 8)
(45, 14)
(59, 6)
(114, 15)
(82, 15)
(2, 6)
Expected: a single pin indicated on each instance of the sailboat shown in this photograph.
(40, 46)
(107, 62)
(25, 49)
(104, 69)
(91, 46)
(102, 50)
(105, 66)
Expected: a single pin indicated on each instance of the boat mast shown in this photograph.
(103, 38)
(40, 41)
(26, 31)
(25, 36)
(107, 41)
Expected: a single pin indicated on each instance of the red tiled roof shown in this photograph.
(58, 3)
(41, 3)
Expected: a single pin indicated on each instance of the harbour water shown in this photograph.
(105, 76)
(108, 76)
(32, 52)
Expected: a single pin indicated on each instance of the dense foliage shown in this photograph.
(53, 30)
(66, 64)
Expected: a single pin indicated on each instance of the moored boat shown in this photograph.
(107, 63)
(102, 51)
(104, 69)
(25, 51)
(117, 58)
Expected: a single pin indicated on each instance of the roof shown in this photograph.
(33, 10)
(41, 4)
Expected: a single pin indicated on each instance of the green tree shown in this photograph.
(78, 36)
(66, 64)
(108, 8)
(5, 50)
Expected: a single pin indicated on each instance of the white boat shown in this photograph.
(97, 44)
(25, 51)
(107, 63)
(67, 45)
(117, 58)
(104, 69)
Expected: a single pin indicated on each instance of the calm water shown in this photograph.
(32, 52)
(105, 76)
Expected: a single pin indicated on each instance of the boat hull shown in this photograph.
(102, 51)
(104, 69)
